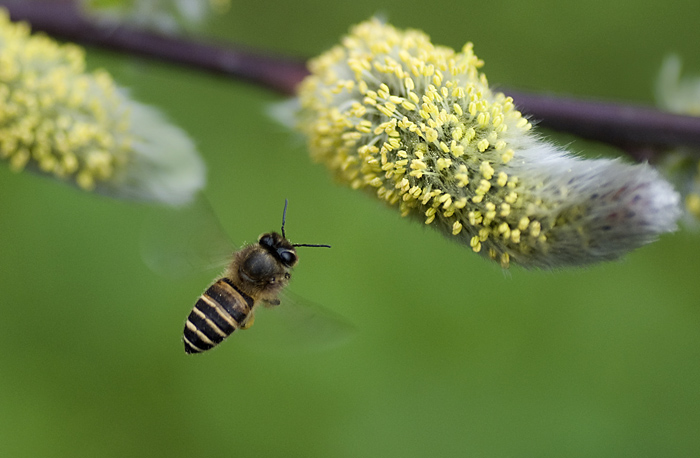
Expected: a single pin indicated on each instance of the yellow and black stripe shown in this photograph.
(221, 310)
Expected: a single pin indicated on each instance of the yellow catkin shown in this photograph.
(60, 120)
(427, 128)
(74, 121)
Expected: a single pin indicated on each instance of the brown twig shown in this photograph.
(63, 19)
(630, 127)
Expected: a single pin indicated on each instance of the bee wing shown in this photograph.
(177, 242)
(297, 324)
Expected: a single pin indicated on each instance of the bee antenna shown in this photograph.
(284, 216)
(306, 244)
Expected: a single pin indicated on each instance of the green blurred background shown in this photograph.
(451, 355)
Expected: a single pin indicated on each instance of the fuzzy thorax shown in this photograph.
(418, 126)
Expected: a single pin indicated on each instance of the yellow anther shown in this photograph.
(507, 156)
(469, 134)
(443, 163)
(385, 111)
(417, 164)
(462, 179)
(486, 170)
(505, 209)
(408, 84)
(505, 260)
(484, 186)
(484, 234)
(369, 101)
(460, 203)
(515, 235)
(447, 202)
(511, 197)
(523, 223)
(475, 243)
(692, 204)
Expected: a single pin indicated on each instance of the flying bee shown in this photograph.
(256, 275)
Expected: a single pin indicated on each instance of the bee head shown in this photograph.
(280, 248)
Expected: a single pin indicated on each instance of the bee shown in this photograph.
(256, 275)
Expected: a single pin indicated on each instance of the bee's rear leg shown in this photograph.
(248, 322)
(271, 302)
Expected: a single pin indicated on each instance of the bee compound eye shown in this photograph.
(266, 240)
(288, 257)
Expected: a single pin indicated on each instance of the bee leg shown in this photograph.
(248, 323)
(271, 302)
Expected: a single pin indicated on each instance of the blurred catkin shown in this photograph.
(59, 120)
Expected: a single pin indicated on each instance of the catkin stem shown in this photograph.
(641, 131)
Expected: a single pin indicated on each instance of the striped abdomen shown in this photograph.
(222, 309)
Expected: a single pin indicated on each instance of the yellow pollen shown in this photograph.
(507, 156)
(443, 163)
(505, 209)
(523, 223)
(511, 197)
(505, 260)
(692, 204)
(484, 186)
(475, 244)
(484, 234)
(515, 235)
(486, 170)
